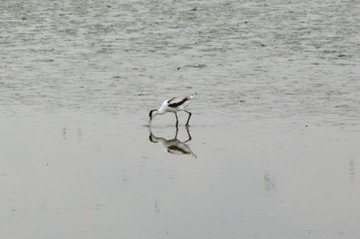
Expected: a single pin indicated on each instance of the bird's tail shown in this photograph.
(193, 96)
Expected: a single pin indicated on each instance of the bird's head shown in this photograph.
(152, 114)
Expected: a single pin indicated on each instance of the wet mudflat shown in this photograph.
(272, 151)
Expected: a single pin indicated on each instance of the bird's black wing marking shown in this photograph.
(176, 104)
(177, 149)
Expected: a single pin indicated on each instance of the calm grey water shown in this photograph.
(274, 134)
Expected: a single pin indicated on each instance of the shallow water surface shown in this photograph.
(272, 150)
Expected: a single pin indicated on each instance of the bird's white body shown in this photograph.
(173, 146)
(173, 105)
(175, 100)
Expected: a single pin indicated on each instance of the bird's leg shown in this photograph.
(177, 120)
(176, 133)
(189, 135)
(187, 122)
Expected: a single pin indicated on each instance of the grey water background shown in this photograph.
(275, 127)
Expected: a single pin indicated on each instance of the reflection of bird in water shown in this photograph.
(173, 146)
(174, 105)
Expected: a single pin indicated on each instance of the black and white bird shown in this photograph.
(173, 105)
(173, 146)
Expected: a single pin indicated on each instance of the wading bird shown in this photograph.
(173, 105)
(173, 146)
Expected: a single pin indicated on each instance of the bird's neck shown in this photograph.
(160, 112)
